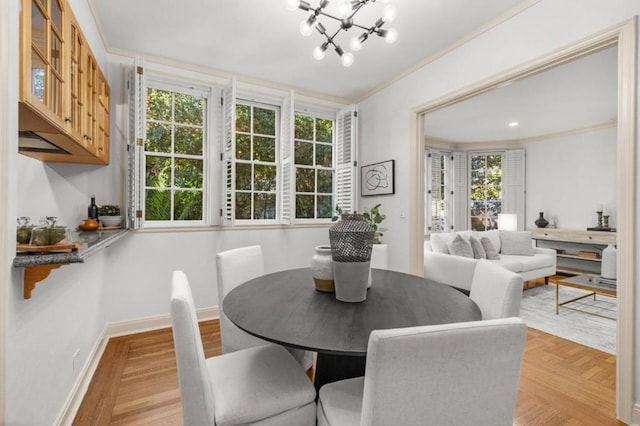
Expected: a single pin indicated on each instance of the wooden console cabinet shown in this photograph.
(578, 251)
(64, 96)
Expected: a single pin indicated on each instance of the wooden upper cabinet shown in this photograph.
(64, 97)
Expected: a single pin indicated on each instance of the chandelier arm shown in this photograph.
(320, 12)
(370, 30)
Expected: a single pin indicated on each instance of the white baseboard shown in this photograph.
(74, 399)
(635, 415)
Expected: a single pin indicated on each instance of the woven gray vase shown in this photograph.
(351, 243)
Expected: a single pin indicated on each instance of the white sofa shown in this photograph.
(457, 271)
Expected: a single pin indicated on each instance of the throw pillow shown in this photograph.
(458, 246)
(516, 242)
(490, 250)
(478, 250)
(439, 242)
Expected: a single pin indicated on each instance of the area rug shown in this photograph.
(539, 311)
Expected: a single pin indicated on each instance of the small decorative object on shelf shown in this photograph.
(541, 222)
(609, 255)
(322, 267)
(89, 225)
(92, 210)
(351, 244)
(110, 215)
(605, 219)
(23, 234)
(599, 213)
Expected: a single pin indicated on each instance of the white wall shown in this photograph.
(568, 177)
(65, 312)
(386, 118)
(128, 280)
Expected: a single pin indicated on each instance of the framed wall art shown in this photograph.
(377, 179)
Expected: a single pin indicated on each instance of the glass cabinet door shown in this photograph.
(45, 74)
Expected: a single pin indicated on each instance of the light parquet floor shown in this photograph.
(562, 383)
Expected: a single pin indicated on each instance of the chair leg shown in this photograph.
(546, 280)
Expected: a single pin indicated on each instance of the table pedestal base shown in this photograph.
(331, 368)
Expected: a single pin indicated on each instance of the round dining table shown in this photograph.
(284, 308)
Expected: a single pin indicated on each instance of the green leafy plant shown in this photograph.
(109, 210)
(372, 216)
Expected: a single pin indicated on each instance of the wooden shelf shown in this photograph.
(575, 256)
(575, 240)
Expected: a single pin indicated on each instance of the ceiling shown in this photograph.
(260, 39)
(577, 95)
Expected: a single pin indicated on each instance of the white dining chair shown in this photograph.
(261, 385)
(235, 267)
(450, 374)
(496, 290)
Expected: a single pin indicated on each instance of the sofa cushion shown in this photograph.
(516, 242)
(493, 235)
(527, 263)
(478, 250)
(489, 248)
(458, 246)
(439, 242)
(510, 262)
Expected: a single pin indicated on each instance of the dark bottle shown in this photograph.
(92, 211)
(541, 222)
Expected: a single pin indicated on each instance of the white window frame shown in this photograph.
(137, 91)
(277, 109)
(501, 153)
(316, 114)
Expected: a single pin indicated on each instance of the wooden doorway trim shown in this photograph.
(624, 36)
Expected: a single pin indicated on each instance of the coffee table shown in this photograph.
(284, 308)
(594, 284)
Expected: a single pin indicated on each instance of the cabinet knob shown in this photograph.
(100, 149)
(68, 119)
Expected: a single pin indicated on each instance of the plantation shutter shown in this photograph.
(513, 169)
(135, 144)
(287, 195)
(346, 137)
(433, 185)
(228, 151)
(460, 192)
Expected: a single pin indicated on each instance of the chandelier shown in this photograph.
(347, 10)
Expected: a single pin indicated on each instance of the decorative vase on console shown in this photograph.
(351, 245)
(609, 255)
(322, 268)
(541, 222)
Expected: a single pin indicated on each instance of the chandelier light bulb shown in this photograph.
(391, 35)
(389, 13)
(347, 59)
(355, 44)
(293, 4)
(319, 52)
(306, 27)
(345, 9)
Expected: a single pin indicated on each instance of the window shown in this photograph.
(174, 155)
(486, 190)
(256, 174)
(313, 159)
(276, 164)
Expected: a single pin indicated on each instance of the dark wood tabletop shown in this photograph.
(284, 308)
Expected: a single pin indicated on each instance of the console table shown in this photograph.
(578, 251)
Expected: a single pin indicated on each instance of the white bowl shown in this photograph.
(111, 220)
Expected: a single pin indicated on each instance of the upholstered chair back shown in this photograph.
(195, 385)
(466, 373)
(496, 290)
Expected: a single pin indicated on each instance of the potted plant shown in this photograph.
(372, 216)
(110, 215)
